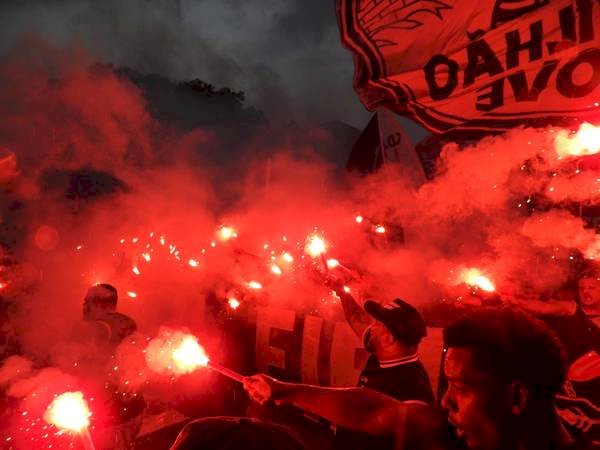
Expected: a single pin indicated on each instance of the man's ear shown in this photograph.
(387, 338)
(518, 395)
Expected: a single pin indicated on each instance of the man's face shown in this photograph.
(475, 402)
(589, 292)
(377, 338)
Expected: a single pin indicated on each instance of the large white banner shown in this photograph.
(486, 65)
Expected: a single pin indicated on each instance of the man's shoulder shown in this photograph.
(117, 318)
(120, 325)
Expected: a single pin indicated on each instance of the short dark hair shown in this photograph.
(231, 433)
(109, 300)
(513, 346)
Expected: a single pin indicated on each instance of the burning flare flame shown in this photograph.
(189, 355)
(586, 141)
(315, 246)
(175, 352)
(69, 411)
(226, 233)
(474, 277)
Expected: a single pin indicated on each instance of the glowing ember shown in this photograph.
(135, 270)
(315, 246)
(474, 277)
(275, 269)
(69, 411)
(254, 285)
(586, 141)
(233, 303)
(380, 229)
(346, 289)
(79, 247)
(131, 294)
(226, 233)
(287, 257)
(2, 285)
(359, 219)
(193, 263)
(332, 263)
(146, 256)
(189, 355)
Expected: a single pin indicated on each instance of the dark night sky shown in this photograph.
(286, 54)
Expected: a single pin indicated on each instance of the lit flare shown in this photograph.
(586, 141)
(315, 246)
(474, 277)
(69, 411)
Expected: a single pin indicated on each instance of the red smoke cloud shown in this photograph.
(500, 206)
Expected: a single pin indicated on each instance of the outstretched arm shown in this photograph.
(354, 408)
(413, 427)
(553, 307)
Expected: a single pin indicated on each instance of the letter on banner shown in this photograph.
(344, 347)
(310, 349)
(268, 319)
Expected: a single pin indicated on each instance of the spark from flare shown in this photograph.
(380, 229)
(586, 141)
(131, 294)
(359, 219)
(332, 263)
(69, 411)
(287, 257)
(254, 285)
(193, 263)
(275, 269)
(135, 270)
(233, 303)
(226, 233)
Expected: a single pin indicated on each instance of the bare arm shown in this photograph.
(413, 427)
(357, 318)
(553, 307)
(354, 408)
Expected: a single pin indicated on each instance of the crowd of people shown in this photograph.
(512, 377)
(505, 381)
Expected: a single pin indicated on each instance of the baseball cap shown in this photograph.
(401, 319)
(233, 433)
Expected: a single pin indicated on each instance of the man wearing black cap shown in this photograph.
(392, 340)
(393, 367)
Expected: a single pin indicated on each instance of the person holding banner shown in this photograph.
(504, 370)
